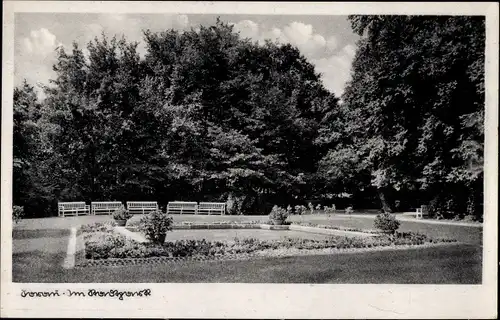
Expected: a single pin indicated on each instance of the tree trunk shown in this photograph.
(385, 204)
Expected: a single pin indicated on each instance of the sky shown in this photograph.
(326, 41)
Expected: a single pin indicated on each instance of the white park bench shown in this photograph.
(212, 207)
(182, 207)
(142, 206)
(422, 211)
(72, 208)
(106, 207)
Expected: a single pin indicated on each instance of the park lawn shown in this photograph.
(38, 252)
(473, 235)
(39, 249)
(452, 264)
(461, 233)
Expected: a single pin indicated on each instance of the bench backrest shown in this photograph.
(108, 204)
(212, 205)
(182, 204)
(71, 205)
(142, 204)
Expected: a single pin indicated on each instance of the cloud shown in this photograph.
(332, 62)
(40, 42)
(247, 29)
(35, 55)
(331, 44)
(302, 35)
(336, 69)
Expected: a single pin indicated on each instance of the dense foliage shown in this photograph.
(121, 214)
(278, 215)
(386, 222)
(17, 213)
(155, 226)
(209, 116)
(410, 126)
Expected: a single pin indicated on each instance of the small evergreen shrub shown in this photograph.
(387, 223)
(155, 226)
(98, 227)
(349, 210)
(470, 218)
(330, 210)
(300, 209)
(17, 213)
(121, 214)
(311, 207)
(278, 215)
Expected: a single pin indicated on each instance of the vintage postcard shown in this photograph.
(249, 160)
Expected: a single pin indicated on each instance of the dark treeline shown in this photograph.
(207, 115)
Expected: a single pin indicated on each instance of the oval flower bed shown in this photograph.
(102, 243)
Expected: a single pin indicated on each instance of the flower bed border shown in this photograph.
(81, 261)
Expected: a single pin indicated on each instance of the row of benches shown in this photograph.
(107, 207)
(195, 208)
(104, 207)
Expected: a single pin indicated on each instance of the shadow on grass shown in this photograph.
(18, 234)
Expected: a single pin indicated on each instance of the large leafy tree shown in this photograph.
(206, 115)
(26, 148)
(413, 111)
(263, 101)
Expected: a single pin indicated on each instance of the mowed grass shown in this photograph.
(454, 264)
(39, 249)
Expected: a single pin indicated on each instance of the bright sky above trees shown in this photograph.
(327, 41)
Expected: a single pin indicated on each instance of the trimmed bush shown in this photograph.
(98, 227)
(330, 210)
(121, 214)
(103, 245)
(386, 222)
(300, 209)
(278, 215)
(156, 225)
(17, 213)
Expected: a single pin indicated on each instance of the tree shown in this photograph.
(412, 112)
(26, 112)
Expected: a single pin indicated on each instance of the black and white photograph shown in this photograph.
(246, 147)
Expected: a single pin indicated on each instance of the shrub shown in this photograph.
(17, 213)
(103, 245)
(156, 225)
(300, 209)
(330, 210)
(121, 214)
(278, 215)
(349, 210)
(98, 227)
(311, 207)
(470, 218)
(386, 222)
(318, 207)
(232, 205)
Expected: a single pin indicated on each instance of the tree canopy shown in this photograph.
(209, 115)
